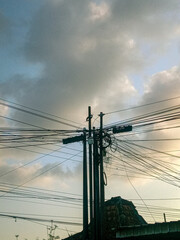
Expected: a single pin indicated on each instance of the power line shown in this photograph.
(151, 149)
(144, 105)
(36, 110)
(163, 114)
(40, 220)
(35, 160)
(40, 215)
(54, 166)
(156, 199)
(65, 205)
(138, 192)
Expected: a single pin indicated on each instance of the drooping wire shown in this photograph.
(36, 112)
(144, 105)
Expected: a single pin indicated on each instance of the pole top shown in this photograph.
(101, 114)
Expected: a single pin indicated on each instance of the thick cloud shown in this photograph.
(152, 19)
(161, 86)
(82, 56)
(38, 174)
(86, 49)
(164, 84)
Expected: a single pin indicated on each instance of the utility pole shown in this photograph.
(96, 175)
(90, 142)
(96, 187)
(101, 177)
(85, 190)
(82, 138)
(164, 217)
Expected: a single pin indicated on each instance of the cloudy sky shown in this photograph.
(59, 57)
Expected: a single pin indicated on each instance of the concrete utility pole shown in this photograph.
(90, 142)
(101, 176)
(96, 187)
(91, 200)
(85, 189)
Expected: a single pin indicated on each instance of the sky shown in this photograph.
(59, 57)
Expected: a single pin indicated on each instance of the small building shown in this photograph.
(123, 222)
(118, 212)
(157, 231)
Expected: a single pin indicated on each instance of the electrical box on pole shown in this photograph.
(122, 129)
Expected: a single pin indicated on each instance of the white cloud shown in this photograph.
(87, 50)
(99, 12)
(37, 174)
(163, 85)
(82, 58)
